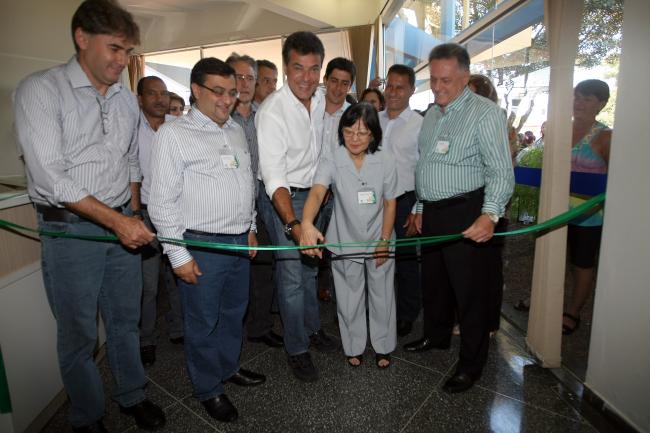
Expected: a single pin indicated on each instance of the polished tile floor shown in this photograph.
(514, 394)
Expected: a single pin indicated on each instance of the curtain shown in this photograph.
(136, 70)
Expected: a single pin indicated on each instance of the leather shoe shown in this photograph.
(271, 339)
(404, 327)
(96, 427)
(246, 378)
(147, 415)
(425, 344)
(148, 355)
(459, 382)
(220, 408)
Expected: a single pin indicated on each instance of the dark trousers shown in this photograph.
(455, 278)
(407, 271)
(260, 321)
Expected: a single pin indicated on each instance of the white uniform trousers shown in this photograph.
(349, 283)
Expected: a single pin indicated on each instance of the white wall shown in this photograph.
(34, 35)
(619, 355)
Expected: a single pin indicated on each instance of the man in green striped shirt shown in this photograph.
(463, 180)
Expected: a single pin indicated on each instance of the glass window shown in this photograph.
(174, 69)
(262, 50)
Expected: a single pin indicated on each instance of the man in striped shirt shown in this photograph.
(464, 179)
(202, 190)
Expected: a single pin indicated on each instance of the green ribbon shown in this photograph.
(5, 401)
(549, 224)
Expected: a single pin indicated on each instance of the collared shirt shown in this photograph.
(331, 128)
(146, 136)
(201, 180)
(248, 125)
(463, 149)
(400, 139)
(76, 142)
(290, 139)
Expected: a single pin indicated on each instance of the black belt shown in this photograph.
(143, 206)
(200, 233)
(457, 199)
(296, 189)
(63, 215)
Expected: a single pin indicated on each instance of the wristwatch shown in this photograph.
(289, 226)
(493, 217)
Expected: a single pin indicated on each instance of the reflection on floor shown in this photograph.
(518, 257)
(514, 394)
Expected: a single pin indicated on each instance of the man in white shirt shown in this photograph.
(154, 100)
(401, 126)
(202, 190)
(289, 126)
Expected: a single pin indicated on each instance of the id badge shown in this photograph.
(229, 161)
(442, 146)
(366, 197)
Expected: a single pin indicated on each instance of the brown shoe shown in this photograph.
(324, 294)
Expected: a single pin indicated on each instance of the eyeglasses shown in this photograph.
(242, 77)
(221, 92)
(103, 111)
(349, 133)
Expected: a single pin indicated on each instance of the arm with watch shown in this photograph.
(284, 207)
(381, 250)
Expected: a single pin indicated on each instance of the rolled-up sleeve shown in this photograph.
(272, 139)
(39, 132)
(166, 190)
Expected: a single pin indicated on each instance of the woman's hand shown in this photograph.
(381, 253)
(308, 237)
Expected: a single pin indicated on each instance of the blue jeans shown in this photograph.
(79, 277)
(151, 261)
(214, 312)
(296, 276)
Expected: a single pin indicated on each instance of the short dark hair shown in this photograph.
(236, 58)
(176, 97)
(368, 115)
(266, 64)
(303, 43)
(209, 66)
(451, 51)
(377, 92)
(597, 88)
(403, 70)
(484, 87)
(343, 64)
(104, 17)
(143, 80)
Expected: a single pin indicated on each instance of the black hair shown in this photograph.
(597, 88)
(451, 51)
(143, 80)
(378, 93)
(403, 70)
(302, 43)
(235, 58)
(209, 66)
(266, 64)
(104, 17)
(176, 97)
(368, 115)
(343, 64)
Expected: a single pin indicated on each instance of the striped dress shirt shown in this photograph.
(248, 125)
(201, 179)
(146, 137)
(75, 141)
(463, 149)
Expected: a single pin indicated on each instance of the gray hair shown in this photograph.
(236, 58)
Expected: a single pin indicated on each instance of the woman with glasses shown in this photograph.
(364, 181)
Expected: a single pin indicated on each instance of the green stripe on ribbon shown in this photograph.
(5, 401)
(549, 224)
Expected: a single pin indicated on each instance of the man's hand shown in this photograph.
(132, 232)
(252, 242)
(481, 230)
(413, 224)
(189, 272)
(381, 254)
(310, 236)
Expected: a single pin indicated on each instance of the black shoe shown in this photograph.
(271, 339)
(459, 382)
(321, 342)
(147, 415)
(404, 327)
(148, 355)
(177, 340)
(424, 344)
(96, 427)
(246, 378)
(302, 367)
(220, 408)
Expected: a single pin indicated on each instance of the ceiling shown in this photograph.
(174, 24)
